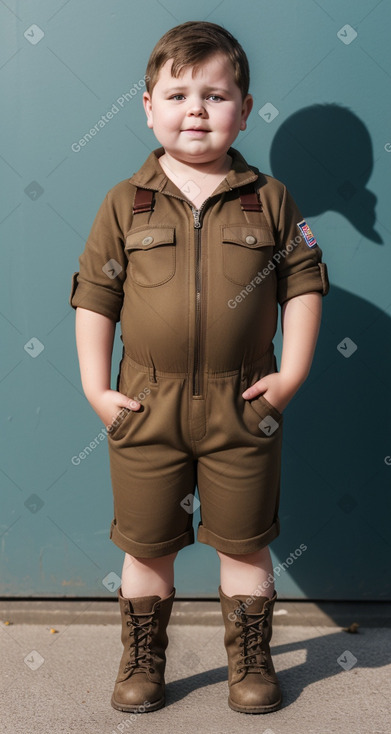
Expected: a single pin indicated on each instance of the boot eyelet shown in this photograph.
(152, 670)
(237, 624)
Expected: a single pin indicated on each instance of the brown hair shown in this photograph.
(191, 43)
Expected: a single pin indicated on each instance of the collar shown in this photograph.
(152, 176)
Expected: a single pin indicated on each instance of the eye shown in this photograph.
(215, 98)
(176, 96)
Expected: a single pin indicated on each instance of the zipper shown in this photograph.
(197, 388)
(197, 372)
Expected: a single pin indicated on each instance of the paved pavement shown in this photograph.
(333, 682)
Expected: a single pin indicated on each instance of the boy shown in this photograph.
(193, 255)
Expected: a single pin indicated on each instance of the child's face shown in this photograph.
(197, 119)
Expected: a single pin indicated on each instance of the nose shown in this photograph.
(196, 108)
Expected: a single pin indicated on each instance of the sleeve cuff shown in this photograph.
(304, 281)
(95, 298)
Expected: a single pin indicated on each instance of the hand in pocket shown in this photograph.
(274, 388)
(110, 404)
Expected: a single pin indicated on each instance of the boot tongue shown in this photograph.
(143, 604)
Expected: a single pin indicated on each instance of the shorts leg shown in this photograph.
(151, 470)
(239, 481)
(149, 484)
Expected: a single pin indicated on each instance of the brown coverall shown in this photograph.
(197, 294)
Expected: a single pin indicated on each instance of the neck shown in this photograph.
(177, 167)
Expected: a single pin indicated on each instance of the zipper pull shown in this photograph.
(196, 215)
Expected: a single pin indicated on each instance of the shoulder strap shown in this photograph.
(143, 201)
(249, 200)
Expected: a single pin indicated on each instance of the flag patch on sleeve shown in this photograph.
(306, 231)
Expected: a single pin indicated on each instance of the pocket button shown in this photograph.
(147, 241)
(250, 239)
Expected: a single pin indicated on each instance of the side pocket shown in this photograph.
(120, 423)
(263, 418)
(260, 405)
(127, 421)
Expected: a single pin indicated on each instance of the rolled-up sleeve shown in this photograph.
(297, 255)
(98, 284)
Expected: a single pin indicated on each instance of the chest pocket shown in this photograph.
(246, 250)
(151, 254)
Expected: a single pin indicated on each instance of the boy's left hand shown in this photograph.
(275, 388)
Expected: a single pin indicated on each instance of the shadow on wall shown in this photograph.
(332, 149)
(337, 433)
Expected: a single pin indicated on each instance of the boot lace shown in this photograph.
(141, 630)
(254, 654)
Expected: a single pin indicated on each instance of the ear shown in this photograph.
(247, 106)
(147, 102)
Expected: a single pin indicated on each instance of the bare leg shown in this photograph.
(148, 576)
(241, 574)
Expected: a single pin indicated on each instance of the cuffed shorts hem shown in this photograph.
(150, 550)
(239, 547)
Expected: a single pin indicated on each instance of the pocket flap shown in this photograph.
(250, 235)
(144, 238)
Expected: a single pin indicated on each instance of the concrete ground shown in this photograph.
(333, 682)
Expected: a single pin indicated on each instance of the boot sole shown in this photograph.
(254, 709)
(135, 709)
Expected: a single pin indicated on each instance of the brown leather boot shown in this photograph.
(140, 679)
(252, 681)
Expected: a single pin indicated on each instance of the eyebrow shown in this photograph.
(207, 89)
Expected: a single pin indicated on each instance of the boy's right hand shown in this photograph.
(108, 405)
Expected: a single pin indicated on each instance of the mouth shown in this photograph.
(195, 130)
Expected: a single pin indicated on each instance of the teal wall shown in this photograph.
(331, 143)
